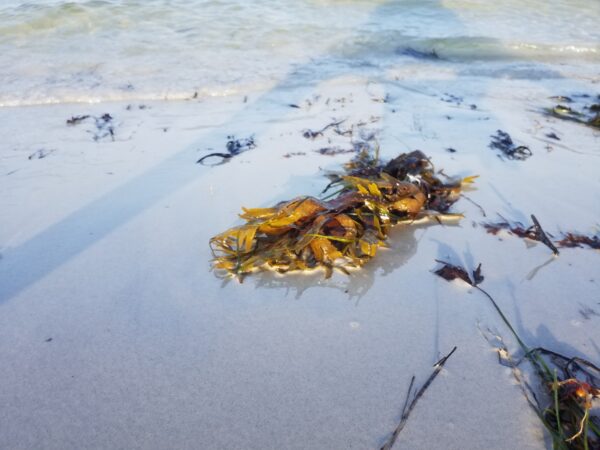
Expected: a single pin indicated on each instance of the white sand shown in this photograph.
(105, 251)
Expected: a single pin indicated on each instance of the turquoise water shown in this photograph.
(94, 50)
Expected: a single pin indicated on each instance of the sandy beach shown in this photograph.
(116, 332)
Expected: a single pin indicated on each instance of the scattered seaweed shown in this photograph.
(408, 407)
(451, 98)
(571, 240)
(503, 142)
(534, 232)
(581, 109)
(41, 153)
(343, 232)
(568, 384)
(104, 125)
(234, 147)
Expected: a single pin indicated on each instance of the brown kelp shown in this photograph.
(343, 231)
(568, 384)
(534, 232)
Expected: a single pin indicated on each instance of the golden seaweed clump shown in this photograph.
(343, 232)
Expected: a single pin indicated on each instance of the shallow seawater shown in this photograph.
(54, 51)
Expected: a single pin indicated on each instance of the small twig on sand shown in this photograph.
(408, 407)
(475, 203)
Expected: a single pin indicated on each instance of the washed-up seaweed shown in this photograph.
(409, 406)
(291, 154)
(585, 114)
(571, 240)
(77, 119)
(534, 232)
(568, 385)
(344, 231)
(104, 125)
(313, 134)
(332, 151)
(41, 153)
(233, 146)
(503, 142)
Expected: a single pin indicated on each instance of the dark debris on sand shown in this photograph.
(503, 142)
(233, 146)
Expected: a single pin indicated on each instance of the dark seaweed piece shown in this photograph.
(74, 120)
(332, 151)
(475, 203)
(224, 158)
(309, 134)
(104, 127)
(419, 54)
(517, 229)
(594, 107)
(535, 232)
(234, 147)
(541, 236)
(451, 272)
(552, 136)
(40, 154)
(407, 164)
(503, 142)
(289, 155)
(407, 408)
(477, 276)
(571, 240)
